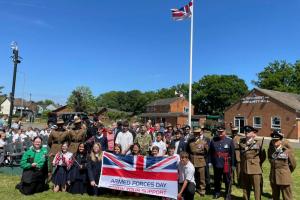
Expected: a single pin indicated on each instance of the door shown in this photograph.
(239, 122)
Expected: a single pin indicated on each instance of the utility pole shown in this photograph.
(16, 61)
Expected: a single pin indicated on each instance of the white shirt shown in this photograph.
(20, 137)
(31, 134)
(2, 143)
(162, 147)
(186, 172)
(176, 146)
(125, 140)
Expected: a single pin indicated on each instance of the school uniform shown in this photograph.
(62, 162)
(94, 171)
(77, 175)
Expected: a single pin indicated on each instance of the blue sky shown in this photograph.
(124, 45)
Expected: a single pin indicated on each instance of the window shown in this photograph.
(275, 123)
(186, 109)
(257, 122)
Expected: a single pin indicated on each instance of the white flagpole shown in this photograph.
(191, 65)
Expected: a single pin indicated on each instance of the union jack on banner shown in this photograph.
(149, 175)
(182, 13)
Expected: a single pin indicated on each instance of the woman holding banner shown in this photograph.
(94, 165)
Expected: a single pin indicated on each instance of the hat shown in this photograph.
(234, 129)
(221, 128)
(60, 121)
(187, 126)
(169, 125)
(276, 135)
(77, 121)
(197, 130)
(248, 129)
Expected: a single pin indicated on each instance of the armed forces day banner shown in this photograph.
(148, 175)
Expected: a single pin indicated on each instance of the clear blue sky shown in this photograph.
(133, 44)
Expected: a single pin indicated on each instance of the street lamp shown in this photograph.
(16, 61)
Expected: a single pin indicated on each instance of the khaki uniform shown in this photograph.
(198, 150)
(236, 173)
(252, 157)
(283, 164)
(76, 136)
(56, 138)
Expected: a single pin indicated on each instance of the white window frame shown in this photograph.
(273, 126)
(257, 125)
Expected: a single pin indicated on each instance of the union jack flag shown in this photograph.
(182, 13)
(143, 174)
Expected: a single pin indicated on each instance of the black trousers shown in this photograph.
(189, 192)
(219, 175)
(32, 188)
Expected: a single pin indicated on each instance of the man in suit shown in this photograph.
(252, 157)
(178, 142)
(197, 147)
(283, 163)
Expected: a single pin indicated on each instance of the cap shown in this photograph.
(276, 135)
(248, 129)
(221, 128)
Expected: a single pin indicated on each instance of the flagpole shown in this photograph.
(191, 65)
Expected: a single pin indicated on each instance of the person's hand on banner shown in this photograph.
(93, 183)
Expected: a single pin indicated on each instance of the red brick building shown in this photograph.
(267, 110)
(171, 110)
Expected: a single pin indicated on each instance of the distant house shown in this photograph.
(267, 110)
(171, 110)
(20, 105)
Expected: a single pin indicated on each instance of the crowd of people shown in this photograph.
(71, 157)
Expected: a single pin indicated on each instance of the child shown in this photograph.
(62, 161)
(160, 144)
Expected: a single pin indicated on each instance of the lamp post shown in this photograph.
(16, 61)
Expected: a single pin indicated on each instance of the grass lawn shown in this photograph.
(8, 192)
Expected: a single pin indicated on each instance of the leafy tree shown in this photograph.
(280, 76)
(82, 100)
(46, 102)
(213, 93)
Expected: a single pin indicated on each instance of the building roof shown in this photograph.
(169, 114)
(2, 99)
(161, 102)
(290, 99)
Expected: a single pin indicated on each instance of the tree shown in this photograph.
(45, 102)
(280, 76)
(214, 93)
(82, 100)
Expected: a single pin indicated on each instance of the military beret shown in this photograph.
(276, 135)
(248, 129)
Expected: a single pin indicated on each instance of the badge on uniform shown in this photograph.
(226, 146)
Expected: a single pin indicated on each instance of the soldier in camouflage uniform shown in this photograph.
(144, 140)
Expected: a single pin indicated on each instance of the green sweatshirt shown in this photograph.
(38, 157)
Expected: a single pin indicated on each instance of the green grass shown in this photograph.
(8, 192)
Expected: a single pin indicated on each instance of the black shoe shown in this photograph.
(216, 196)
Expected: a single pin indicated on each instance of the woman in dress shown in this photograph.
(77, 176)
(94, 169)
(35, 169)
(62, 162)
